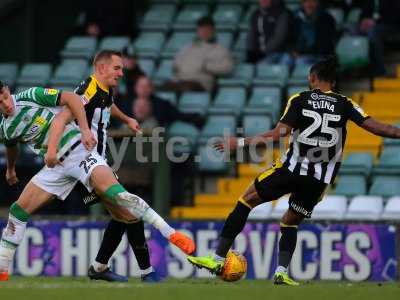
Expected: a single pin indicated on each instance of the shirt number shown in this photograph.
(88, 163)
(322, 123)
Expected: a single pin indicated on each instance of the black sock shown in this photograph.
(138, 243)
(233, 226)
(287, 245)
(111, 239)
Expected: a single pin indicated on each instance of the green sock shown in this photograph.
(19, 213)
(113, 191)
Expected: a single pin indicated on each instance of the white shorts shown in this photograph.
(77, 166)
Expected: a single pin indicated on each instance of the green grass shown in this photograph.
(43, 288)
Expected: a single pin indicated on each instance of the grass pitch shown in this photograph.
(43, 288)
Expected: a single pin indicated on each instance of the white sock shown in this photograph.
(10, 239)
(139, 208)
(6, 257)
(153, 218)
(98, 267)
(281, 269)
(147, 271)
(14, 231)
(219, 258)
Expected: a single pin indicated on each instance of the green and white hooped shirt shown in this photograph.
(35, 109)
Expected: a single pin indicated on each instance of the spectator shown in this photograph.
(152, 111)
(366, 8)
(366, 26)
(103, 17)
(197, 64)
(315, 33)
(269, 33)
(132, 71)
(381, 30)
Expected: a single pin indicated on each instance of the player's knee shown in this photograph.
(251, 200)
(291, 218)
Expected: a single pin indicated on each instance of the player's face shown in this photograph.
(6, 103)
(113, 71)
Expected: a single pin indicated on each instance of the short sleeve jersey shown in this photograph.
(35, 109)
(319, 122)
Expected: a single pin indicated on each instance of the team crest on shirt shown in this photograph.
(27, 119)
(50, 92)
(314, 96)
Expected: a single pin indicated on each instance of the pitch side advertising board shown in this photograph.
(354, 252)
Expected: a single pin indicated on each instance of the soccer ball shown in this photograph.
(235, 266)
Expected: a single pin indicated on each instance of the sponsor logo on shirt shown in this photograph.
(50, 92)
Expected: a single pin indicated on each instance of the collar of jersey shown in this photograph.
(99, 84)
(324, 92)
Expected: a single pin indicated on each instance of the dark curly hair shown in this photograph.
(326, 70)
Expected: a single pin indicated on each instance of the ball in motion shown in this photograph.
(235, 266)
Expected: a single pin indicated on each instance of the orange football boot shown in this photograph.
(4, 276)
(183, 242)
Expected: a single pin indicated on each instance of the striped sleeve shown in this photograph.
(356, 113)
(87, 90)
(290, 115)
(45, 97)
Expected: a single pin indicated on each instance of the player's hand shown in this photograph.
(11, 176)
(88, 140)
(229, 144)
(134, 126)
(50, 159)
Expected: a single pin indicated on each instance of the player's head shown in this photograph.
(205, 28)
(108, 67)
(143, 87)
(6, 102)
(323, 72)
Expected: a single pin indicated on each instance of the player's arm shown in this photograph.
(53, 97)
(281, 130)
(57, 129)
(130, 122)
(11, 160)
(381, 129)
(362, 119)
(75, 105)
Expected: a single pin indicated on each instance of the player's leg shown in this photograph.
(287, 244)
(31, 199)
(268, 186)
(100, 270)
(308, 193)
(104, 181)
(137, 240)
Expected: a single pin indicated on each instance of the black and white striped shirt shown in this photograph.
(319, 132)
(98, 101)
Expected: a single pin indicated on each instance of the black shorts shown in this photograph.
(305, 191)
(89, 198)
